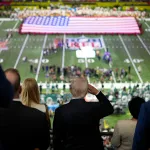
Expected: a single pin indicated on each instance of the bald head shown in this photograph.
(14, 78)
(79, 87)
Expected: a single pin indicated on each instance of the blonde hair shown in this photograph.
(79, 87)
(30, 92)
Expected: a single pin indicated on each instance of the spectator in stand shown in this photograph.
(79, 129)
(6, 96)
(22, 127)
(30, 96)
(141, 139)
(124, 130)
(6, 91)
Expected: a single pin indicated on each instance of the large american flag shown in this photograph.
(81, 25)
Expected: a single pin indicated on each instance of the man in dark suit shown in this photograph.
(141, 139)
(6, 90)
(21, 127)
(6, 94)
(76, 124)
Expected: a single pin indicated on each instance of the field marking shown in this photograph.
(86, 65)
(131, 59)
(41, 56)
(109, 63)
(63, 54)
(9, 35)
(23, 46)
(143, 44)
(1, 23)
(147, 24)
(12, 29)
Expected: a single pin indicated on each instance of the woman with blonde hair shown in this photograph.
(31, 97)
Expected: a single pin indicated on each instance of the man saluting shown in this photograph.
(76, 124)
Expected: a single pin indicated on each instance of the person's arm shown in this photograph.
(57, 131)
(115, 141)
(139, 141)
(105, 106)
(102, 108)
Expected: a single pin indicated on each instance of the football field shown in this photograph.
(133, 50)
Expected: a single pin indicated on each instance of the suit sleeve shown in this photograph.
(57, 131)
(116, 137)
(103, 108)
(139, 141)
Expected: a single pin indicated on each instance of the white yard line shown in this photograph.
(12, 29)
(40, 61)
(9, 35)
(109, 63)
(131, 59)
(147, 24)
(86, 65)
(63, 54)
(23, 46)
(143, 44)
(1, 23)
(16, 25)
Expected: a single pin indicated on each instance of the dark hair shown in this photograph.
(135, 105)
(16, 85)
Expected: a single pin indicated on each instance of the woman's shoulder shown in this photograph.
(126, 122)
(41, 107)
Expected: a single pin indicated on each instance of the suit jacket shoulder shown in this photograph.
(24, 124)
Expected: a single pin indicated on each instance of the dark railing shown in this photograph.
(108, 134)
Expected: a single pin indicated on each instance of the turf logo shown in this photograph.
(35, 61)
(137, 61)
(1, 60)
(88, 60)
(147, 30)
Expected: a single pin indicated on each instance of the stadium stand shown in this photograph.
(54, 92)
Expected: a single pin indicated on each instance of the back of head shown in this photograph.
(30, 92)
(13, 77)
(79, 87)
(6, 90)
(135, 105)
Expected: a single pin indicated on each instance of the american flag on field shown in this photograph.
(82, 25)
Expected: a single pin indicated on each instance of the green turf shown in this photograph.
(33, 48)
(113, 119)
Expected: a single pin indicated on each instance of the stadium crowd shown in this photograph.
(77, 11)
(25, 123)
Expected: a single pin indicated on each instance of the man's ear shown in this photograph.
(20, 89)
(70, 87)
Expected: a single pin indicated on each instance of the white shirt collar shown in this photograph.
(77, 98)
(17, 99)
